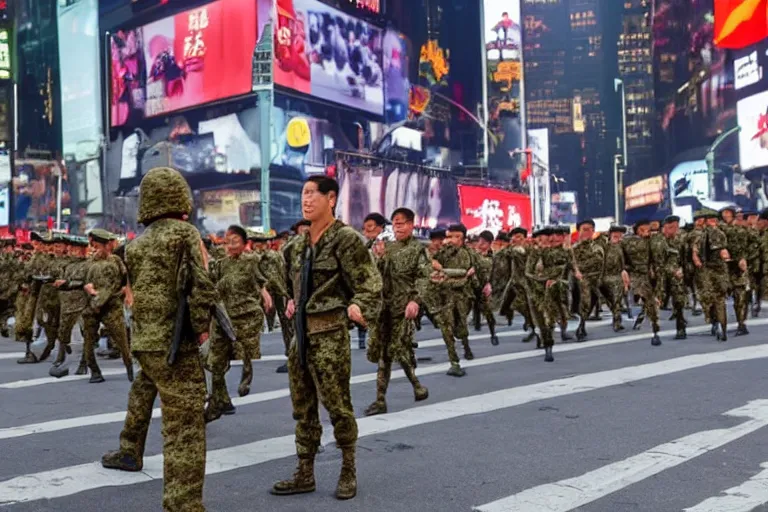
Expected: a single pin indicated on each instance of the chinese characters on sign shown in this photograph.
(5, 55)
(484, 208)
(194, 46)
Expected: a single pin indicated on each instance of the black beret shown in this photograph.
(585, 221)
(487, 236)
(669, 219)
(406, 212)
(642, 222)
(238, 230)
(519, 231)
(461, 228)
(437, 234)
(617, 229)
(378, 218)
(502, 236)
(302, 222)
(545, 231)
(729, 208)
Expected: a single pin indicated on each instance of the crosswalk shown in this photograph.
(494, 399)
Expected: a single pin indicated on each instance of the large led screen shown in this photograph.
(753, 137)
(195, 57)
(328, 54)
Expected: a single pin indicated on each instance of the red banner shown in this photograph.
(740, 23)
(484, 208)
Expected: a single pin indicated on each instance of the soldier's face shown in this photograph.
(654, 227)
(483, 246)
(455, 238)
(752, 220)
(671, 229)
(616, 237)
(235, 244)
(402, 227)
(712, 223)
(99, 249)
(644, 231)
(727, 216)
(518, 239)
(314, 204)
(371, 230)
(435, 244)
(543, 241)
(586, 232)
(699, 223)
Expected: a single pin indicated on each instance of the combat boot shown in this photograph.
(377, 407)
(282, 369)
(741, 330)
(617, 325)
(681, 323)
(581, 334)
(420, 393)
(58, 370)
(530, 337)
(82, 369)
(639, 320)
(96, 378)
(29, 356)
(468, 355)
(655, 341)
(722, 333)
(303, 479)
(494, 340)
(347, 487)
(120, 461)
(47, 351)
(456, 371)
(548, 357)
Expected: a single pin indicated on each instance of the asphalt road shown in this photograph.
(612, 425)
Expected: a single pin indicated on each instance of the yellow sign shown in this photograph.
(645, 192)
(507, 72)
(297, 133)
(435, 57)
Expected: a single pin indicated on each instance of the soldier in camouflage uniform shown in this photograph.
(483, 288)
(105, 280)
(11, 268)
(405, 269)
(457, 264)
(49, 307)
(333, 281)
(242, 287)
(515, 296)
(560, 243)
(670, 269)
(27, 298)
(164, 201)
(754, 263)
(738, 239)
(638, 256)
(710, 256)
(431, 299)
(615, 278)
(501, 270)
(590, 260)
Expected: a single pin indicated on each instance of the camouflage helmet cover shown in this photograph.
(163, 191)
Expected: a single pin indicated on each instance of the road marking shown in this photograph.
(53, 380)
(112, 417)
(743, 498)
(84, 477)
(573, 493)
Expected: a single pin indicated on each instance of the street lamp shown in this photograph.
(618, 170)
(710, 158)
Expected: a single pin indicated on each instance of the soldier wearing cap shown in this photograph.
(431, 298)
(560, 245)
(49, 306)
(710, 257)
(590, 260)
(670, 268)
(483, 286)
(501, 267)
(748, 222)
(615, 283)
(738, 240)
(27, 299)
(638, 254)
(11, 268)
(515, 296)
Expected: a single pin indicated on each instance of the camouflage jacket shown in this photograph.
(614, 260)
(343, 273)
(107, 276)
(590, 258)
(53, 267)
(670, 259)
(405, 270)
(737, 241)
(71, 294)
(706, 244)
(272, 267)
(239, 282)
(638, 255)
(152, 271)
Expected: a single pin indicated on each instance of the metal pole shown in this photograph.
(484, 68)
(265, 132)
(58, 200)
(710, 158)
(624, 122)
(616, 181)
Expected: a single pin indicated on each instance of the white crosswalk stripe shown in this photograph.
(742, 498)
(80, 478)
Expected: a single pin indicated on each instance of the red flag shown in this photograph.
(740, 23)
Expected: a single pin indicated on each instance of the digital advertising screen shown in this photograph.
(328, 54)
(649, 191)
(396, 57)
(484, 208)
(195, 57)
(753, 138)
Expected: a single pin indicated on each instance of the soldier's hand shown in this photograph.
(436, 265)
(290, 309)
(89, 289)
(202, 338)
(58, 283)
(550, 282)
(578, 275)
(725, 255)
(743, 265)
(204, 349)
(697, 261)
(354, 314)
(411, 310)
(267, 298)
(487, 290)
(678, 274)
(471, 272)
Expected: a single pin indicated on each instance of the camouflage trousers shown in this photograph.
(452, 322)
(546, 308)
(286, 325)
(519, 302)
(26, 305)
(589, 287)
(712, 288)
(392, 338)
(7, 309)
(111, 315)
(612, 289)
(182, 395)
(739, 282)
(326, 379)
(645, 294)
(675, 289)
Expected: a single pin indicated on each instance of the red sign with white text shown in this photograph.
(491, 209)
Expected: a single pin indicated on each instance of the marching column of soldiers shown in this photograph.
(176, 304)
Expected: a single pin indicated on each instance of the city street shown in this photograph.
(613, 425)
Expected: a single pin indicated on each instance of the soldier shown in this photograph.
(334, 281)
(105, 280)
(615, 278)
(483, 288)
(515, 296)
(373, 226)
(26, 300)
(164, 203)
(11, 268)
(711, 256)
(456, 262)
(590, 260)
(431, 299)
(242, 286)
(559, 242)
(754, 263)
(738, 239)
(670, 269)
(299, 229)
(638, 256)
(405, 270)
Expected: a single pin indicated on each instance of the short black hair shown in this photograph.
(405, 212)
(378, 218)
(239, 231)
(325, 186)
(487, 236)
(458, 228)
(437, 234)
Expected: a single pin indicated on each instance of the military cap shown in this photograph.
(501, 236)
(585, 221)
(688, 228)
(487, 236)
(749, 213)
(163, 191)
(519, 231)
(437, 234)
(255, 236)
(617, 229)
(405, 212)
(76, 241)
(461, 228)
(101, 235)
(705, 213)
(730, 208)
(641, 222)
(284, 234)
(378, 218)
(669, 219)
(560, 230)
(545, 231)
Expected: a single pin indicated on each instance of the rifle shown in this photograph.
(301, 313)
(182, 306)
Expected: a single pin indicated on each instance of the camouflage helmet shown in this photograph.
(163, 191)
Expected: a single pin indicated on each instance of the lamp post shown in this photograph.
(710, 158)
(262, 85)
(619, 169)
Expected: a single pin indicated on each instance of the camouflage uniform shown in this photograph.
(713, 278)
(181, 386)
(612, 286)
(738, 238)
(483, 304)
(11, 268)
(73, 303)
(515, 296)
(341, 273)
(48, 305)
(590, 259)
(273, 268)
(670, 269)
(755, 268)
(239, 283)
(638, 255)
(405, 270)
(26, 304)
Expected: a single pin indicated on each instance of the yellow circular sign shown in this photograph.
(297, 133)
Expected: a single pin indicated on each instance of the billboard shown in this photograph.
(753, 138)
(689, 188)
(645, 192)
(565, 208)
(739, 24)
(503, 61)
(484, 208)
(330, 55)
(195, 57)
(396, 57)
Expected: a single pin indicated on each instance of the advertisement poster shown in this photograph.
(219, 209)
(195, 57)
(645, 192)
(753, 138)
(688, 188)
(503, 59)
(328, 54)
(565, 208)
(364, 190)
(538, 141)
(491, 209)
(396, 62)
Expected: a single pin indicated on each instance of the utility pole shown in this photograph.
(620, 167)
(263, 86)
(710, 158)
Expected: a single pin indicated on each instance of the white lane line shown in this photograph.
(743, 498)
(18, 384)
(573, 493)
(12, 355)
(84, 477)
(112, 417)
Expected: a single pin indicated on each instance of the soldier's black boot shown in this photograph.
(564, 336)
(47, 350)
(4, 332)
(468, 355)
(494, 340)
(741, 330)
(58, 370)
(29, 356)
(639, 320)
(96, 377)
(538, 341)
(581, 333)
(722, 332)
(303, 480)
(530, 336)
(347, 487)
(617, 325)
(120, 461)
(655, 341)
(282, 369)
(377, 407)
(82, 368)
(680, 324)
(548, 357)
(714, 330)
(456, 371)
